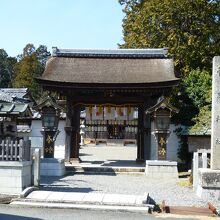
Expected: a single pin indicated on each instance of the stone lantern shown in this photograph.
(161, 168)
(161, 114)
(50, 112)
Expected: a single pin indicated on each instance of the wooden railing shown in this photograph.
(13, 150)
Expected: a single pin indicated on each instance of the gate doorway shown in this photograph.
(109, 134)
(110, 156)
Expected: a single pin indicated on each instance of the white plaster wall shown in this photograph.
(172, 145)
(37, 138)
(15, 176)
(60, 141)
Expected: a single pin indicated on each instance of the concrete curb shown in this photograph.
(27, 191)
(6, 199)
(81, 206)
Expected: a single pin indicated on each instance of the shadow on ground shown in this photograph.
(49, 184)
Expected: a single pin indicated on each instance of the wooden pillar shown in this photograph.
(144, 134)
(74, 152)
(147, 135)
(68, 128)
(72, 131)
(140, 134)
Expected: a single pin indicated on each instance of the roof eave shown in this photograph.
(51, 83)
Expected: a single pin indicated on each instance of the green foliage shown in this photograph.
(6, 69)
(198, 86)
(42, 54)
(31, 65)
(190, 29)
(202, 121)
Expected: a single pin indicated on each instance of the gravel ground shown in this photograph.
(169, 191)
(159, 190)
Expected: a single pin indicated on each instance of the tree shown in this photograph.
(199, 88)
(26, 70)
(190, 29)
(42, 54)
(6, 69)
(31, 65)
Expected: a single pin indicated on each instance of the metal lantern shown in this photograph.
(50, 118)
(162, 119)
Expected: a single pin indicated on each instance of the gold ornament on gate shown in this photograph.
(49, 139)
(162, 151)
(162, 141)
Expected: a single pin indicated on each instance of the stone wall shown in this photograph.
(14, 176)
(208, 184)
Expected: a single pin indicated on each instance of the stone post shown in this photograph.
(195, 170)
(37, 167)
(208, 186)
(215, 137)
(204, 160)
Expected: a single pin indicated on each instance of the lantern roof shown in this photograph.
(162, 103)
(48, 102)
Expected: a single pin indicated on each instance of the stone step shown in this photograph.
(101, 170)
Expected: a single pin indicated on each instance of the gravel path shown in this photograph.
(171, 192)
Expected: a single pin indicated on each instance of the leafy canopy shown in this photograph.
(199, 88)
(6, 69)
(190, 29)
(31, 65)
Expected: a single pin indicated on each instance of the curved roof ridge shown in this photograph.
(112, 53)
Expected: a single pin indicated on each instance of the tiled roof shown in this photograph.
(23, 129)
(14, 95)
(15, 109)
(202, 132)
(5, 97)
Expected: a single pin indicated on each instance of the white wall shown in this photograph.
(37, 138)
(172, 145)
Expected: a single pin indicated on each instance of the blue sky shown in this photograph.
(61, 23)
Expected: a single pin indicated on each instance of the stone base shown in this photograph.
(208, 184)
(74, 160)
(14, 176)
(161, 169)
(52, 167)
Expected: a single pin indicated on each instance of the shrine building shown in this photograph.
(114, 88)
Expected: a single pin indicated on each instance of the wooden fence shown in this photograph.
(201, 159)
(13, 150)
